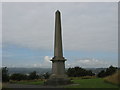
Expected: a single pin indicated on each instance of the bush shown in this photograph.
(88, 77)
(114, 78)
(18, 77)
(101, 74)
(5, 75)
(46, 75)
(109, 71)
(33, 75)
(78, 71)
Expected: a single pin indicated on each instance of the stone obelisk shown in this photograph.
(58, 53)
(58, 76)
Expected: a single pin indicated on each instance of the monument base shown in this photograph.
(58, 76)
(58, 81)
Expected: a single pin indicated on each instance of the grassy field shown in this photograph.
(29, 82)
(0, 85)
(114, 79)
(79, 83)
(91, 83)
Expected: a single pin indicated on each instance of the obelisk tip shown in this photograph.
(57, 11)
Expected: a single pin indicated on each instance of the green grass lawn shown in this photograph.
(27, 82)
(79, 83)
(0, 85)
(91, 83)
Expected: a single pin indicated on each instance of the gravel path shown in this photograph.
(28, 86)
(8, 85)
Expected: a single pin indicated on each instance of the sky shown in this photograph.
(89, 31)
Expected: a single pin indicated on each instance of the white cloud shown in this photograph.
(89, 63)
(46, 62)
(47, 59)
(86, 26)
(35, 65)
(0, 34)
(59, 1)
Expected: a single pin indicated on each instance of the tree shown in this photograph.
(101, 74)
(78, 71)
(5, 75)
(109, 71)
(33, 75)
(46, 75)
(18, 76)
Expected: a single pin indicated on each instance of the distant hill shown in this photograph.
(28, 70)
(96, 70)
(44, 70)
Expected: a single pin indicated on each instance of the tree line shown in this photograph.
(78, 71)
(19, 76)
(109, 71)
(71, 72)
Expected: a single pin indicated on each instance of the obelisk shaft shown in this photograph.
(58, 38)
(58, 76)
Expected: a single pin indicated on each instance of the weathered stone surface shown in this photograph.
(58, 69)
(58, 76)
(58, 37)
(58, 81)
